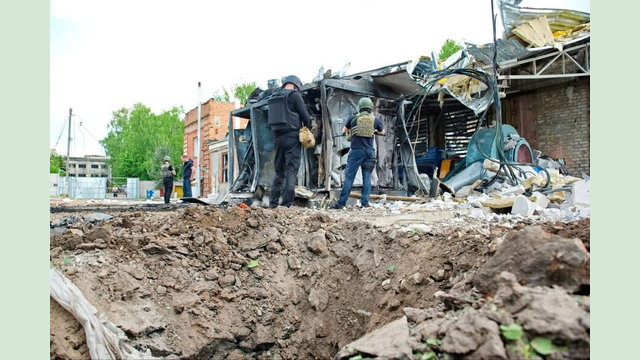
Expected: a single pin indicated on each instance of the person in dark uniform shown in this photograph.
(187, 175)
(361, 129)
(168, 172)
(287, 114)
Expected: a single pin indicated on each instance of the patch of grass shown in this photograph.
(433, 342)
(512, 331)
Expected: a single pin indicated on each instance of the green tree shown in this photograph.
(240, 92)
(56, 163)
(138, 140)
(222, 95)
(448, 48)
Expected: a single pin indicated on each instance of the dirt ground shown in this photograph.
(198, 282)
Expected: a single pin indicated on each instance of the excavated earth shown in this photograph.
(198, 282)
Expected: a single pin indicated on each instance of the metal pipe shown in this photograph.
(256, 152)
(327, 144)
(199, 152)
(68, 148)
(231, 151)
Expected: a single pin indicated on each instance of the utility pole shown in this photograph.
(198, 146)
(68, 148)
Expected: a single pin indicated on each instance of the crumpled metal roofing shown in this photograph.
(507, 50)
(559, 19)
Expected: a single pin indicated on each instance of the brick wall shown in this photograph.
(214, 125)
(560, 116)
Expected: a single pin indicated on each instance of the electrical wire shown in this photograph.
(508, 168)
(60, 136)
(85, 130)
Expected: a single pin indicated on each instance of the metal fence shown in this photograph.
(94, 187)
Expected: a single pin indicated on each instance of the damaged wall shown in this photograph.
(213, 126)
(559, 119)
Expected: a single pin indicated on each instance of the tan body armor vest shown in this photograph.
(363, 125)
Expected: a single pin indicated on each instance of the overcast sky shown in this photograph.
(106, 55)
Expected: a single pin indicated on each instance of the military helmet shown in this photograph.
(167, 158)
(365, 103)
(292, 79)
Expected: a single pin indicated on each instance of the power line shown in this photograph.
(59, 136)
(84, 138)
(85, 130)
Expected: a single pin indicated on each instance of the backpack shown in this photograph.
(280, 116)
(362, 125)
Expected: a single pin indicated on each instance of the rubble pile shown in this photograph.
(545, 317)
(542, 191)
(200, 282)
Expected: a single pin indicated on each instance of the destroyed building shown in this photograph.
(436, 279)
(431, 114)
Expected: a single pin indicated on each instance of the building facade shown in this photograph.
(88, 166)
(214, 126)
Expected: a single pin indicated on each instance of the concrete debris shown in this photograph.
(522, 206)
(547, 312)
(476, 335)
(477, 214)
(391, 341)
(541, 201)
(417, 228)
(319, 299)
(512, 191)
(201, 282)
(474, 332)
(97, 216)
(580, 193)
(537, 258)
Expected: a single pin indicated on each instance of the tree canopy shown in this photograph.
(222, 95)
(56, 163)
(138, 139)
(239, 91)
(448, 48)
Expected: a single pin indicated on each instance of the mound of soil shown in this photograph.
(206, 283)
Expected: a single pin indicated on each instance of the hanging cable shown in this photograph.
(60, 136)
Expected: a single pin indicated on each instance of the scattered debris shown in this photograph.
(323, 279)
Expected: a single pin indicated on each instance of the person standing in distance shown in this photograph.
(168, 172)
(360, 128)
(287, 114)
(187, 175)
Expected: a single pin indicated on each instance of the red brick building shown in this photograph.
(214, 126)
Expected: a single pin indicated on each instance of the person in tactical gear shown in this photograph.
(187, 175)
(360, 129)
(287, 114)
(168, 172)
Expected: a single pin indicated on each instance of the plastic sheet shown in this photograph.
(104, 339)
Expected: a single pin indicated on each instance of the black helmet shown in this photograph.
(292, 79)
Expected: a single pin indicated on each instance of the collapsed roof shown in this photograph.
(413, 99)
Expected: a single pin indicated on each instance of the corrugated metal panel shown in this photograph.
(559, 19)
(507, 50)
(399, 81)
(460, 125)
